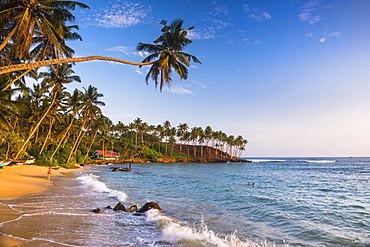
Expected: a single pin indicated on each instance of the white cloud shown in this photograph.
(335, 34)
(220, 8)
(307, 10)
(257, 13)
(322, 40)
(179, 89)
(128, 51)
(121, 14)
(208, 33)
(198, 83)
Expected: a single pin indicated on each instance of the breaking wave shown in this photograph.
(91, 182)
(186, 235)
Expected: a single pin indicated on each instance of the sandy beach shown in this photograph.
(20, 180)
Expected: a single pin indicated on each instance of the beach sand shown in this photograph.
(20, 180)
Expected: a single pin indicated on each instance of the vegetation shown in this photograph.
(58, 127)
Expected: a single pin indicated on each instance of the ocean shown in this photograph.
(293, 202)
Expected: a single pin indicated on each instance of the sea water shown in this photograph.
(293, 202)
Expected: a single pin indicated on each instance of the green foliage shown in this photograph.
(10, 143)
(152, 154)
(180, 156)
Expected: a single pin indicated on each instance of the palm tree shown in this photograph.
(208, 136)
(74, 103)
(166, 132)
(167, 51)
(22, 19)
(136, 125)
(89, 111)
(99, 125)
(182, 128)
(194, 135)
(159, 130)
(54, 78)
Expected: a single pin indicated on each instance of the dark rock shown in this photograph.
(108, 207)
(115, 169)
(126, 170)
(97, 210)
(149, 205)
(132, 209)
(119, 207)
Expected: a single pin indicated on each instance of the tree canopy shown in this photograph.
(57, 127)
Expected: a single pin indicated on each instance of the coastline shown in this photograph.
(21, 180)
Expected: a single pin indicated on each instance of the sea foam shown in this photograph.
(91, 182)
(320, 161)
(265, 160)
(176, 233)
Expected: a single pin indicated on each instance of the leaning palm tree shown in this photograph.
(54, 78)
(74, 103)
(167, 51)
(89, 112)
(166, 55)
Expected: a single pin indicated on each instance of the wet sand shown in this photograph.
(20, 180)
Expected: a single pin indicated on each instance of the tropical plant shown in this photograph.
(167, 51)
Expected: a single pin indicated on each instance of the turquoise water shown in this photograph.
(294, 202)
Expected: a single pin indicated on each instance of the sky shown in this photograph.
(291, 76)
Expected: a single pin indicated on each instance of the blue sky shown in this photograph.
(290, 76)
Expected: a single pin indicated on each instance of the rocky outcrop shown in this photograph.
(133, 209)
(97, 210)
(118, 169)
(119, 207)
(149, 205)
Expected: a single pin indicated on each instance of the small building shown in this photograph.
(105, 155)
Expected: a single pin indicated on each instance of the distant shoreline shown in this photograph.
(169, 160)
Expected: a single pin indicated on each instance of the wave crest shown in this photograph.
(91, 182)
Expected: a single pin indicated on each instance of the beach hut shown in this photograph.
(105, 155)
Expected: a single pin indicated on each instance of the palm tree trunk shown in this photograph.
(61, 141)
(47, 136)
(16, 79)
(38, 64)
(76, 143)
(34, 130)
(7, 38)
(88, 150)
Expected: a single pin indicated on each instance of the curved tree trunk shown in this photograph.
(92, 142)
(16, 79)
(5, 42)
(33, 65)
(47, 136)
(34, 130)
(77, 142)
(61, 141)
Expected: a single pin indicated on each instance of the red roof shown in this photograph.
(108, 153)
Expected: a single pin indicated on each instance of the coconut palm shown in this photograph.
(90, 110)
(74, 103)
(54, 79)
(182, 128)
(167, 50)
(136, 125)
(22, 19)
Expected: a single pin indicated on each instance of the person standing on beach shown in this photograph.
(49, 173)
